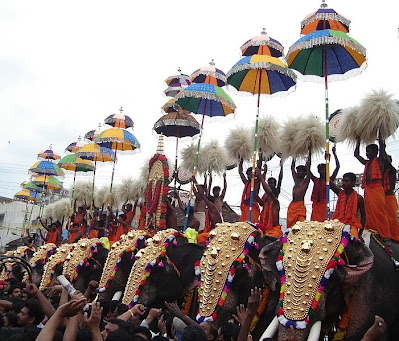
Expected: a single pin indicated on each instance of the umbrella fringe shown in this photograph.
(320, 41)
(214, 74)
(325, 16)
(266, 42)
(262, 65)
(206, 95)
(280, 94)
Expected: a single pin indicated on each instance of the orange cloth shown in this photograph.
(387, 186)
(274, 231)
(201, 238)
(207, 227)
(391, 211)
(296, 212)
(245, 212)
(119, 232)
(346, 211)
(315, 192)
(374, 201)
(93, 233)
(319, 211)
(71, 237)
(266, 217)
(52, 236)
(375, 172)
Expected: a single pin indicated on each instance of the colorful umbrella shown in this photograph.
(119, 120)
(260, 74)
(46, 167)
(172, 91)
(48, 182)
(205, 99)
(324, 18)
(92, 134)
(75, 146)
(262, 44)
(178, 80)
(29, 185)
(27, 195)
(117, 139)
(327, 55)
(75, 164)
(172, 106)
(210, 75)
(48, 154)
(178, 125)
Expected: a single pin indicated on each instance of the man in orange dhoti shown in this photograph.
(297, 210)
(374, 196)
(245, 199)
(349, 204)
(391, 204)
(270, 216)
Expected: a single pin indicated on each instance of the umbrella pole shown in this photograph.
(177, 144)
(251, 198)
(72, 194)
(327, 135)
(194, 170)
(110, 191)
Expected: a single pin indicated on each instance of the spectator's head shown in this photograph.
(15, 292)
(216, 191)
(226, 331)
(301, 171)
(9, 320)
(118, 335)
(371, 151)
(8, 283)
(272, 182)
(31, 314)
(210, 331)
(25, 296)
(160, 338)
(321, 168)
(122, 308)
(17, 305)
(143, 332)
(112, 325)
(84, 334)
(105, 305)
(193, 333)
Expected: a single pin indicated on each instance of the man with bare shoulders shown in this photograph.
(218, 198)
(193, 223)
(374, 196)
(200, 206)
(350, 204)
(245, 199)
(391, 203)
(274, 184)
(270, 216)
(297, 210)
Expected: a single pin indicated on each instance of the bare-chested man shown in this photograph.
(200, 206)
(193, 222)
(270, 216)
(245, 199)
(297, 210)
(391, 203)
(372, 183)
(274, 184)
(218, 198)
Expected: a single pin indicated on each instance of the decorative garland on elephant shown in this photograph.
(156, 261)
(85, 262)
(335, 260)
(249, 244)
(152, 196)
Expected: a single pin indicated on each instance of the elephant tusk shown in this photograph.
(314, 333)
(271, 329)
(117, 296)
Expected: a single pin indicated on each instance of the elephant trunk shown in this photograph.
(300, 334)
(271, 329)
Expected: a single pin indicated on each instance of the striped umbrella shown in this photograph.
(46, 167)
(207, 100)
(75, 146)
(27, 195)
(48, 154)
(178, 80)
(48, 182)
(210, 75)
(119, 120)
(262, 44)
(325, 55)
(260, 74)
(172, 106)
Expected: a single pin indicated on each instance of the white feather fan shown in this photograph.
(378, 110)
(188, 157)
(49, 212)
(126, 190)
(268, 135)
(82, 193)
(101, 197)
(61, 209)
(213, 158)
(311, 134)
(347, 128)
(238, 144)
(288, 137)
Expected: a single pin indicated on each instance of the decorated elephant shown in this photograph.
(119, 263)
(14, 268)
(332, 286)
(38, 261)
(85, 262)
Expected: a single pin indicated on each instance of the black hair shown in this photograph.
(213, 330)
(17, 305)
(143, 330)
(301, 168)
(137, 338)
(273, 179)
(193, 333)
(11, 281)
(123, 216)
(122, 308)
(120, 323)
(226, 330)
(118, 335)
(35, 310)
(105, 305)
(75, 225)
(12, 319)
(319, 166)
(216, 187)
(13, 287)
(84, 334)
(373, 147)
(350, 175)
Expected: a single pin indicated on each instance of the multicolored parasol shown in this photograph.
(327, 55)
(75, 164)
(260, 74)
(27, 195)
(31, 186)
(178, 80)
(264, 45)
(92, 134)
(178, 125)
(48, 154)
(118, 139)
(48, 182)
(324, 18)
(209, 75)
(207, 100)
(172, 106)
(75, 146)
(95, 152)
(119, 120)
(46, 167)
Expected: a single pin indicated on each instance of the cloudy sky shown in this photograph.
(65, 66)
